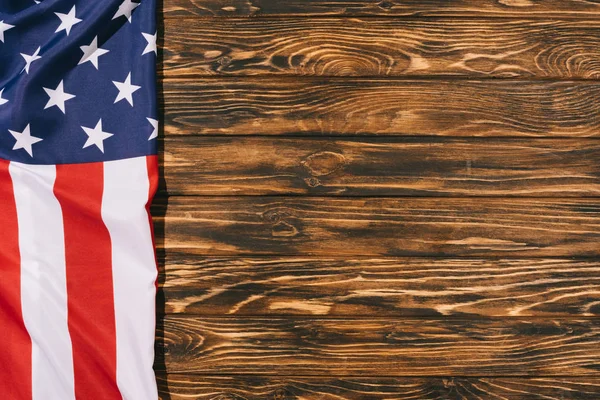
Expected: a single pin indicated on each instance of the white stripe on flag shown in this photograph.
(126, 191)
(43, 280)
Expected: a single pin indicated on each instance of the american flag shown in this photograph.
(78, 169)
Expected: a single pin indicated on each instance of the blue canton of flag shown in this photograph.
(77, 80)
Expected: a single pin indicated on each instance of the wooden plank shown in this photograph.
(381, 166)
(383, 47)
(381, 107)
(380, 226)
(184, 387)
(392, 287)
(382, 347)
(420, 8)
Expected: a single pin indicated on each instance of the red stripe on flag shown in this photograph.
(79, 190)
(15, 372)
(152, 165)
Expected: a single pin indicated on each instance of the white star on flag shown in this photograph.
(125, 9)
(92, 52)
(126, 90)
(151, 46)
(30, 58)
(154, 124)
(2, 101)
(96, 136)
(3, 28)
(25, 140)
(58, 97)
(67, 21)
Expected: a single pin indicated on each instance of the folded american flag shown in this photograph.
(78, 169)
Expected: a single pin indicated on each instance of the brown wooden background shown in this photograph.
(393, 199)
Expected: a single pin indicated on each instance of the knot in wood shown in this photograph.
(385, 5)
(225, 61)
(323, 163)
(312, 182)
(272, 216)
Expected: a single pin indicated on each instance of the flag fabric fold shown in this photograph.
(78, 170)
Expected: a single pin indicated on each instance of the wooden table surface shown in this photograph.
(394, 199)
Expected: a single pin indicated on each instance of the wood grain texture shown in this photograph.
(391, 287)
(380, 226)
(381, 107)
(381, 166)
(451, 252)
(396, 8)
(185, 387)
(381, 347)
(383, 47)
